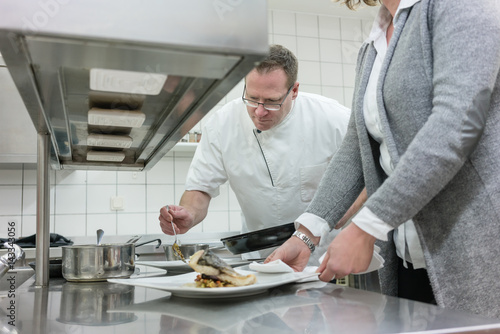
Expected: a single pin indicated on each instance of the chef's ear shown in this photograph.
(295, 90)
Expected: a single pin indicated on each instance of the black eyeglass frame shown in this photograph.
(247, 101)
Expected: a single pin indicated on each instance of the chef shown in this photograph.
(272, 145)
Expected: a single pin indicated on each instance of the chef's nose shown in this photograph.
(261, 111)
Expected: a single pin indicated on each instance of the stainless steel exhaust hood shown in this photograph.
(116, 84)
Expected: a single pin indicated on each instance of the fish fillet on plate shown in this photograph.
(214, 272)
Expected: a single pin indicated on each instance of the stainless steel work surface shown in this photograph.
(313, 307)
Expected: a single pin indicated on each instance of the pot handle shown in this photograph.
(150, 241)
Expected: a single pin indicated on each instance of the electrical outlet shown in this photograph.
(117, 203)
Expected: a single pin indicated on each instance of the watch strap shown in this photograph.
(306, 240)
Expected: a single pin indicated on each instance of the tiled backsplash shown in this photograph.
(80, 201)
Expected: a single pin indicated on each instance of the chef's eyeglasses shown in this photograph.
(267, 106)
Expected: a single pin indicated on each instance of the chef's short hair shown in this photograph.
(280, 57)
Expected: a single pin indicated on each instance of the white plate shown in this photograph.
(179, 285)
(181, 266)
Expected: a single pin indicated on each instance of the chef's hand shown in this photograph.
(350, 252)
(182, 218)
(294, 252)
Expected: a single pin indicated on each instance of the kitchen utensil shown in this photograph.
(158, 243)
(89, 263)
(175, 247)
(98, 262)
(133, 240)
(186, 250)
(260, 239)
(100, 233)
(176, 242)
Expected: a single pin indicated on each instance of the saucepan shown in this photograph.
(260, 239)
(93, 263)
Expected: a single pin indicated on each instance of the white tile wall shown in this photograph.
(326, 47)
(307, 25)
(329, 27)
(99, 198)
(71, 199)
(105, 221)
(11, 203)
(11, 177)
(330, 51)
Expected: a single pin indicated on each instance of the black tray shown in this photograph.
(260, 239)
(55, 268)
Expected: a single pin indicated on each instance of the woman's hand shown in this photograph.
(350, 252)
(294, 252)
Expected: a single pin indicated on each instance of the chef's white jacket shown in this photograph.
(275, 173)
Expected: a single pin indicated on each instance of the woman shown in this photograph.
(424, 141)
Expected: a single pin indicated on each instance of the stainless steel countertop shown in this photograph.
(313, 307)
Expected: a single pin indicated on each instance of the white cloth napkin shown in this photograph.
(275, 267)
(280, 267)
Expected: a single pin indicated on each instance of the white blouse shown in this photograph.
(406, 240)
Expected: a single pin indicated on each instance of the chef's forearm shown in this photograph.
(196, 203)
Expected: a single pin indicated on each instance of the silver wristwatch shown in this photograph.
(306, 240)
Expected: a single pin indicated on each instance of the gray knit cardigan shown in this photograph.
(439, 102)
